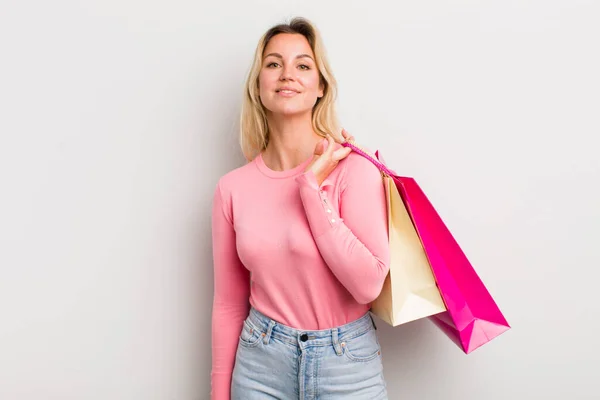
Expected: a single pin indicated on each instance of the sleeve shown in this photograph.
(353, 243)
(230, 300)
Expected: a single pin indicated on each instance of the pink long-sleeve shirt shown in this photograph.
(311, 257)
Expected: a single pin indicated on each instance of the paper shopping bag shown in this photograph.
(472, 317)
(409, 290)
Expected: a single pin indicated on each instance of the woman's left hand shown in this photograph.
(327, 155)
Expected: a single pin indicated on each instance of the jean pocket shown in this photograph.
(250, 336)
(362, 348)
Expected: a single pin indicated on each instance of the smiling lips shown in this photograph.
(286, 92)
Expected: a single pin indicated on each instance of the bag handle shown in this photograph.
(384, 170)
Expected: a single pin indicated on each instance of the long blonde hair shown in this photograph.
(254, 130)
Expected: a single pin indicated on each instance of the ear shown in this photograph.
(321, 90)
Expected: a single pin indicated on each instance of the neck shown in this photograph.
(292, 141)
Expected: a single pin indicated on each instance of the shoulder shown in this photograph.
(236, 177)
(229, 185)
(355, 160)
(232, 185)
(358, 168)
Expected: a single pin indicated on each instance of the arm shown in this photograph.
(231, 298)
(355, 243)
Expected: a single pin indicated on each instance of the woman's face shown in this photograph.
(289, 79)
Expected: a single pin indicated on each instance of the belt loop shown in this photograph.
(269, 331)
(336, 343)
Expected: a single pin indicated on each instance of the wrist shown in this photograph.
(319, 178)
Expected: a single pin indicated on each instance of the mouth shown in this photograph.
(286, 91)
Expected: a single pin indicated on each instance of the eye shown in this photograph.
(272, 65)
(304, 67)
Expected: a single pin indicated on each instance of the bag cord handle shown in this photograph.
(384, 170)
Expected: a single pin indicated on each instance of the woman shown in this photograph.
(299, 240)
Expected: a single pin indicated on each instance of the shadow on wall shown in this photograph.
(219, 153)
(411, 352)
(223, 117)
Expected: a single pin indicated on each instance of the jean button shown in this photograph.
(304, 337)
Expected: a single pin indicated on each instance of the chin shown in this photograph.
(289, 108)
(289, 111)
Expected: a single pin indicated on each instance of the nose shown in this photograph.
(286, 74)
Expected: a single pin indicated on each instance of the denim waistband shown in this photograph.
(325, 337)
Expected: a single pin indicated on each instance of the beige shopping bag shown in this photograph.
(410, 291)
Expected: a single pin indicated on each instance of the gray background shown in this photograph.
(118, 117)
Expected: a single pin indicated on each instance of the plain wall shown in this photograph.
(118, 117)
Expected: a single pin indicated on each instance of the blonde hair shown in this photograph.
(254, 130)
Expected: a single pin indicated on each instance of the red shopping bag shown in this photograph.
(472, 318)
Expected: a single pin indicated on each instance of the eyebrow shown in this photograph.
(280, 56)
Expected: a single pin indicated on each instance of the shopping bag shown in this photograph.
(472, 317)
(409, 291)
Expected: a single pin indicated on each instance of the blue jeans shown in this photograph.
(277, 362)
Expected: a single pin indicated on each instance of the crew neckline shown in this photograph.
(271, 173)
